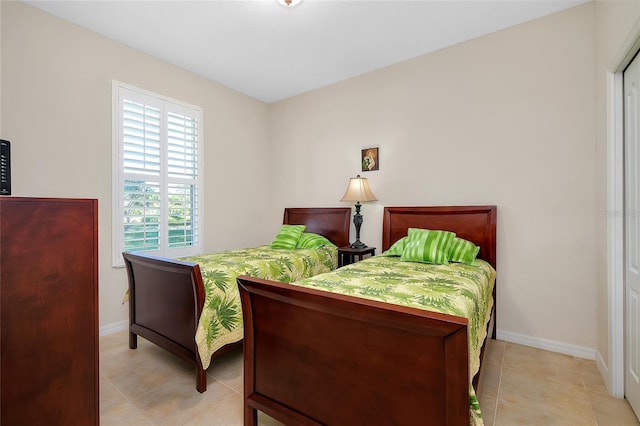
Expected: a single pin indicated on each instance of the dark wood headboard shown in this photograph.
(473, 223)
(331, 222)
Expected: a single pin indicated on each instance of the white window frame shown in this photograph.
(121, 91)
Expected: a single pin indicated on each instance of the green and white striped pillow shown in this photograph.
(463, 251)
(425, 245)
(396, 248)
(288, 237)
(309, 240)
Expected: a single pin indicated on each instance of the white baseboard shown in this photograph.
(114, 327)
(548, 345)
(603, 369)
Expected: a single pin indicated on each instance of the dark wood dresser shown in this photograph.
(49, 370)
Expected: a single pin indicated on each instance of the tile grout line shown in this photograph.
(587, 391)
(214, 405)
(495, 409)
(133, 404)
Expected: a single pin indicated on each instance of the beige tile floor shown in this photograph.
(519, 386)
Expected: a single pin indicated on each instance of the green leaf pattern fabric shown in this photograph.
(459, 289)
(221, 319)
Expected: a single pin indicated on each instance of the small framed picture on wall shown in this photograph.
(370, 159)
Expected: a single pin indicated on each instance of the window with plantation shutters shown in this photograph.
(157, 144)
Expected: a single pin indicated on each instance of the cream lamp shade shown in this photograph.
(358, 190)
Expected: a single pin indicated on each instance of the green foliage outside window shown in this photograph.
(142, 216)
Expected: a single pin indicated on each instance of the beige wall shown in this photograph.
(56, 111)
(506, 119)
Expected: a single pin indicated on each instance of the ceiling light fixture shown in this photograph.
(289, 3)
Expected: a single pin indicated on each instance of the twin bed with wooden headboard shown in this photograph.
(315, 355)
(170, 299)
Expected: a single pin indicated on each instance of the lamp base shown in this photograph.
(358, 245)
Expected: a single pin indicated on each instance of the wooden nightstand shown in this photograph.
(348, 255)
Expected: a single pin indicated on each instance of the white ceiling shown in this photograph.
(270, 52)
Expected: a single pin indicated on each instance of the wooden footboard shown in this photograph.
(312, 357)
(165, 300)
(166, 296)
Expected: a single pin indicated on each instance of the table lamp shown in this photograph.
(358, 190)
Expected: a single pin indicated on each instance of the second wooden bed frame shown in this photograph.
(319, 358)
(166, 296)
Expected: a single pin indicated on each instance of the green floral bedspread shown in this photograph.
(221, 319)
(456, 289)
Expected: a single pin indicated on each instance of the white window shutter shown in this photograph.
(158, 183)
